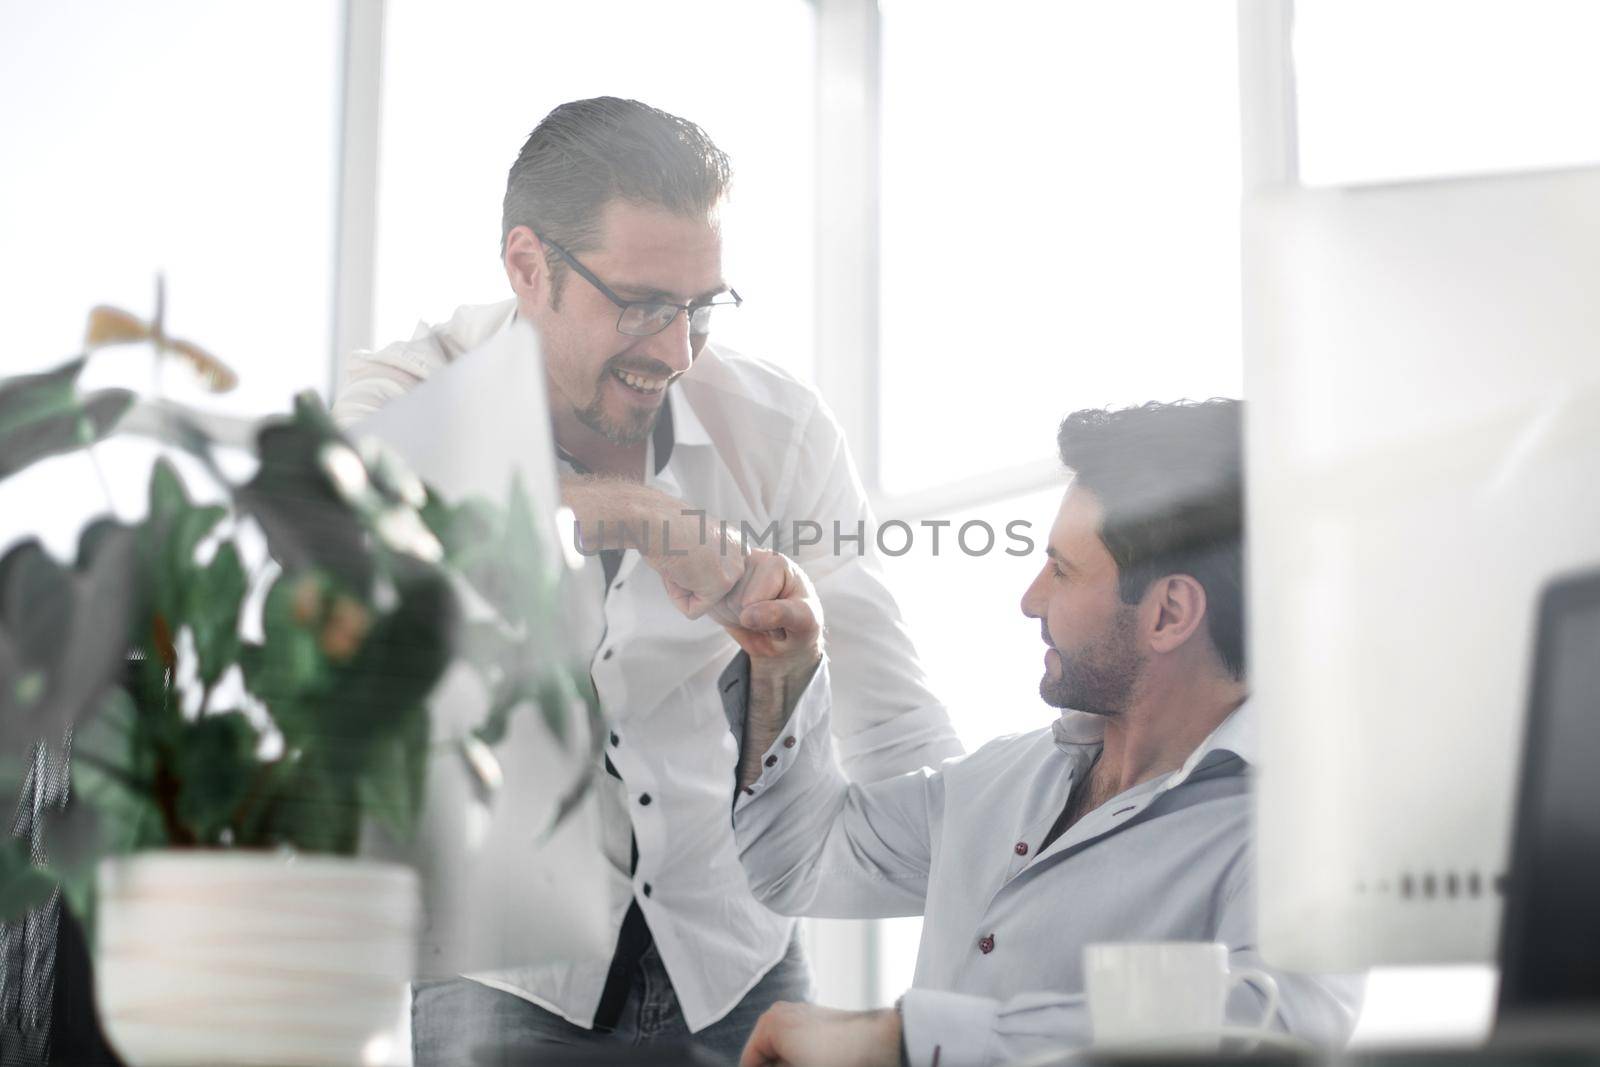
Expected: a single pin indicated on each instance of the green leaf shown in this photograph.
(391, 786)
(212, 611)
(112, 745)
(469, 531)
(498, 721)
(401, 659)
(556, 700)
(191, 527)
(287, 668)
(43, 415)
(590, 703)
(533, 590)
(168, 539)
(63, 633)
(314, 809)
(113, 766)
(23, 887)
(215, 762)
(307, 524)
(35, 601)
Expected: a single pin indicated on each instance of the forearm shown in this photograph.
(615, 513)
(774, 691)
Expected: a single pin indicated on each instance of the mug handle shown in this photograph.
(1266, 984)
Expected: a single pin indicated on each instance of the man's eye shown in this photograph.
(1055, 568)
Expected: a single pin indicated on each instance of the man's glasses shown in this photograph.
(645, 318)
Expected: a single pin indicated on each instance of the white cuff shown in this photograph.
(958, 1028)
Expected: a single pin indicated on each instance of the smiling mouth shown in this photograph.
(644, 386)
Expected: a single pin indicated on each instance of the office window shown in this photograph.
(190, 138)
(465, 83)
(961, 598)
(1060, 222)
(983, 656)
(1401, 89)
(172, 139)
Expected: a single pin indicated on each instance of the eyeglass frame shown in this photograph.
(623, 305)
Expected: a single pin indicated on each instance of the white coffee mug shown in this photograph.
(1168, 994)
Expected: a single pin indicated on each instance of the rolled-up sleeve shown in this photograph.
(812, 842)
(885, 717)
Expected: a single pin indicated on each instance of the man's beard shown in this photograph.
(1100, 677)
(629, 432)
(635, 428)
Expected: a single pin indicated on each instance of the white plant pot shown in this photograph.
(221, 958)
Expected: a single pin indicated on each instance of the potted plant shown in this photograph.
(244, 686)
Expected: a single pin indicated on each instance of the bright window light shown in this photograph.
(146, 138)
(1404, 89)
(191, 138)
(1060, 221)
(983, 656)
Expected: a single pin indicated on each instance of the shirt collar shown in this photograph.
(687, 429)
(1076, 731)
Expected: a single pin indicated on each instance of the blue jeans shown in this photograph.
(451, 1018)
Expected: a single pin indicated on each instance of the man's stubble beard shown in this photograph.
(1099, 678)
(630, 433)
(593, 415)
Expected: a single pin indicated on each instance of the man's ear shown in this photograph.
(1178, 607)
(526, 267)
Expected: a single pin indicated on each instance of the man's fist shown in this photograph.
(805, 1035)
(700, 560)
(773, 613)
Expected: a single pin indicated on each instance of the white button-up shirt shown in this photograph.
(999, 971)
(752, 445)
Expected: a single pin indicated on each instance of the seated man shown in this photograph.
(1128, 819)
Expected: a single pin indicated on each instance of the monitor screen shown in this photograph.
(1422, 456)
(1552, 923)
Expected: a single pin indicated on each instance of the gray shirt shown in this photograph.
(999, 970)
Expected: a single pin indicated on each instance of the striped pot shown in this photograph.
(222, 958)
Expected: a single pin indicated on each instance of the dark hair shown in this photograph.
(1170, 480)
(587, 153)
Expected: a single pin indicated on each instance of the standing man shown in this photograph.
(611, 242)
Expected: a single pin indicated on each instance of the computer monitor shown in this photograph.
(1550, 938)
(1422, 364)
(495, 893)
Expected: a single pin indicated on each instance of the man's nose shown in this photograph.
(671, 346)
(1031, 604)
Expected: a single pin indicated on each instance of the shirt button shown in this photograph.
(615, 740)
(607, 653)
(646, 888)
(1021, 848)
(772, 761)
(788, 742)
(986, 944)
(617, 586)
(644, 798)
